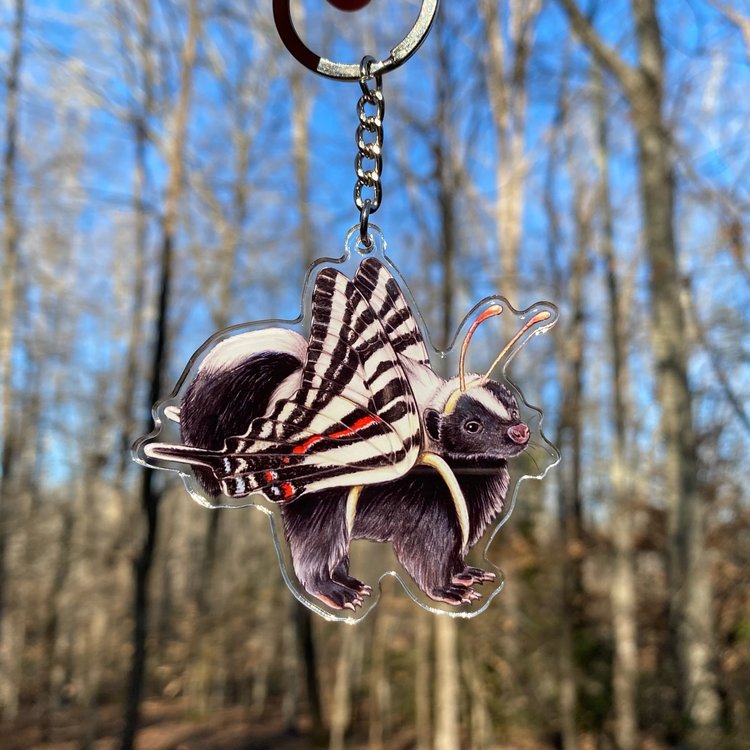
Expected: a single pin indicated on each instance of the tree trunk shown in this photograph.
(140, 126)
(509, 30)
(570, 506)
(52, 625)
(10, 268)
(290, 667)
(623, 590)
(150, 495)
(572, 344)
(301, 157)
(506, 86)
(447, 700)
(480, 720)
(378, 682)
(7, 327)
(206, 631)
(422, 651)
(446, 632)
(341, 704)
(306, 644)
(691, 610)
(150, 498)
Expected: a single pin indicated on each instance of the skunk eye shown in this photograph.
(472, 426)
(514, 415)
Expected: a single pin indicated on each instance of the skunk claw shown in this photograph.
(336, 595)
(477, 575)
(463, 579)
(455, 595)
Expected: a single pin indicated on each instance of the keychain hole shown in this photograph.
(365, 249)
(355, 241)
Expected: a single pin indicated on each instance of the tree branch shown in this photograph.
(627, 76)
(740, 22)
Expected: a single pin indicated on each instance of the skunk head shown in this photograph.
(482, 422)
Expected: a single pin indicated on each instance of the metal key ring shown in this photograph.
(282, 16)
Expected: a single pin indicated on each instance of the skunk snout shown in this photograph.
(519, 433)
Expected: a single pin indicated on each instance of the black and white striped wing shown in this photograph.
(353, 421)
(387, 300)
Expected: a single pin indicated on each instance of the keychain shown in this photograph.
(337, 426)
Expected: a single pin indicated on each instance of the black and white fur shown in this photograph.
(244, 377)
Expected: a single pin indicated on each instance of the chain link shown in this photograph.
(368, 164)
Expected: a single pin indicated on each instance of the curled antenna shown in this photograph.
(490, 312)
(538, 318)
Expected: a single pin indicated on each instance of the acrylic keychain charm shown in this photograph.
(338, 427)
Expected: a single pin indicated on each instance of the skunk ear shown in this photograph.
(432, 423)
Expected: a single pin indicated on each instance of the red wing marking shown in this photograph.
(307, 444)
(269, 476)
(287, 490)
(360, 424)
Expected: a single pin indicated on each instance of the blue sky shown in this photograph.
(76, 169)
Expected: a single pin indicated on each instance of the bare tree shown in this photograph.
(341, 702)
(422, 669)
(447, 674)
(447, 681)
(689, 574)
(301, 105)
(142, 74)
(507, 66)
(738, 20)
(300, 118)
(150, 495)
(572, 346)
(623, 593)
(7, 324)
(379, 684)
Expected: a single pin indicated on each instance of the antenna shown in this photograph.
(490, 312)
(452, 401)
(538, 318)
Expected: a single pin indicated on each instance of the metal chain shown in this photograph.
(368, 191)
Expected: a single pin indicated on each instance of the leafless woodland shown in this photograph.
(168, 170)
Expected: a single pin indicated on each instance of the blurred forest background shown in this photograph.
(168, 169)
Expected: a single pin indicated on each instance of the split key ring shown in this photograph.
(282, 16)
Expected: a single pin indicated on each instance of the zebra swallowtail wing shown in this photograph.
(353, 421)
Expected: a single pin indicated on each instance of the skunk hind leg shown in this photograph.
(436, 563)
(318, 537)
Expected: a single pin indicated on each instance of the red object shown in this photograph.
(349, 5)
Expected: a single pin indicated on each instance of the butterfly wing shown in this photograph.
(353, 421)
(387, 300)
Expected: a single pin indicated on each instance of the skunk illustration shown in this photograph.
(356, 437)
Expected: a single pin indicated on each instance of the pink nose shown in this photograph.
(519, 434)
